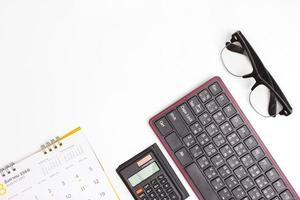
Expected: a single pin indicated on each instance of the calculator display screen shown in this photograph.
(143, 174)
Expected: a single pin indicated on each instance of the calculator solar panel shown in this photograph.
(216, 148)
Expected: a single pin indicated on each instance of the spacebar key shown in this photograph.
(201, 183)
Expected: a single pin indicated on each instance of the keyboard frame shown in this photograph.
(246, 121)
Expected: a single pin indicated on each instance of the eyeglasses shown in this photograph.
(240, 60)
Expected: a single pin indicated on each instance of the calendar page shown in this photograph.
(65, 169)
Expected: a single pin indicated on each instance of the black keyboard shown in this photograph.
(216, 148)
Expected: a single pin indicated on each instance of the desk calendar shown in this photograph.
(64, 168)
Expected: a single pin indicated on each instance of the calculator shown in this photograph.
(149, 176)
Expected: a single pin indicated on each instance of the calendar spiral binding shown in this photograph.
(8, 169)
(51, 145)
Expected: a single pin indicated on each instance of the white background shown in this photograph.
(109, 66)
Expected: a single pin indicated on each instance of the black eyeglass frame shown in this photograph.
(260, 74)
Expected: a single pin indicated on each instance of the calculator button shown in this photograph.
(222, 99)
(183, 156)
(169, 189)
(226, 128)
(166, 186)
(286, 195)
(186, 113)
(236, 121)
(211, 106)
(163, 126)
(189, 141)
(196, 105)
(279, 185)
(196, 151)
(173, 141)
(205, 119)
(160, 177)
(159, 190)
(196, 128)
(265, 164)
(243, 131)
(163, 181)
(153, 182)
(178, 123)
(215, 88)
(272, 175)
(204, 96)
(200, 182)
(229, 110)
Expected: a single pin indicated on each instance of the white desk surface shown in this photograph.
(109, 66)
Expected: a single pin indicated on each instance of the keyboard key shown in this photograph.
(210, 173)
(210, 149)
(269, 192)
(279, 185)
(222, 99)
(196, 151)
(215, 88)
(240, 149)
(247, 160)
(254, 171)
(205, 119)
(163, 126)
(231, 182)
(286, 195)
(186, 114)
(261, 181)
(212, 129)
(211, 106)
(226, 151)
(224, 194)
(254, 194)
(217, 183)
(240, 172)
(204, 96)
(251, 142)
(258, 153)
(219, 140)
(236, 121)
(265, 164)
(200, 182)
(219, 117)
(189, 141)
(224, 171)
(247, 183)
(238, 192)
(233, 139)
(173, 141)
(196, 105)
(203, 139)
(178, 123)
(272, 175)
(203, 162)
(226, 128)
(229, 110)
(233, 162)
(196, 128)
(183, 156)
(217, 160)
(243, 131)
